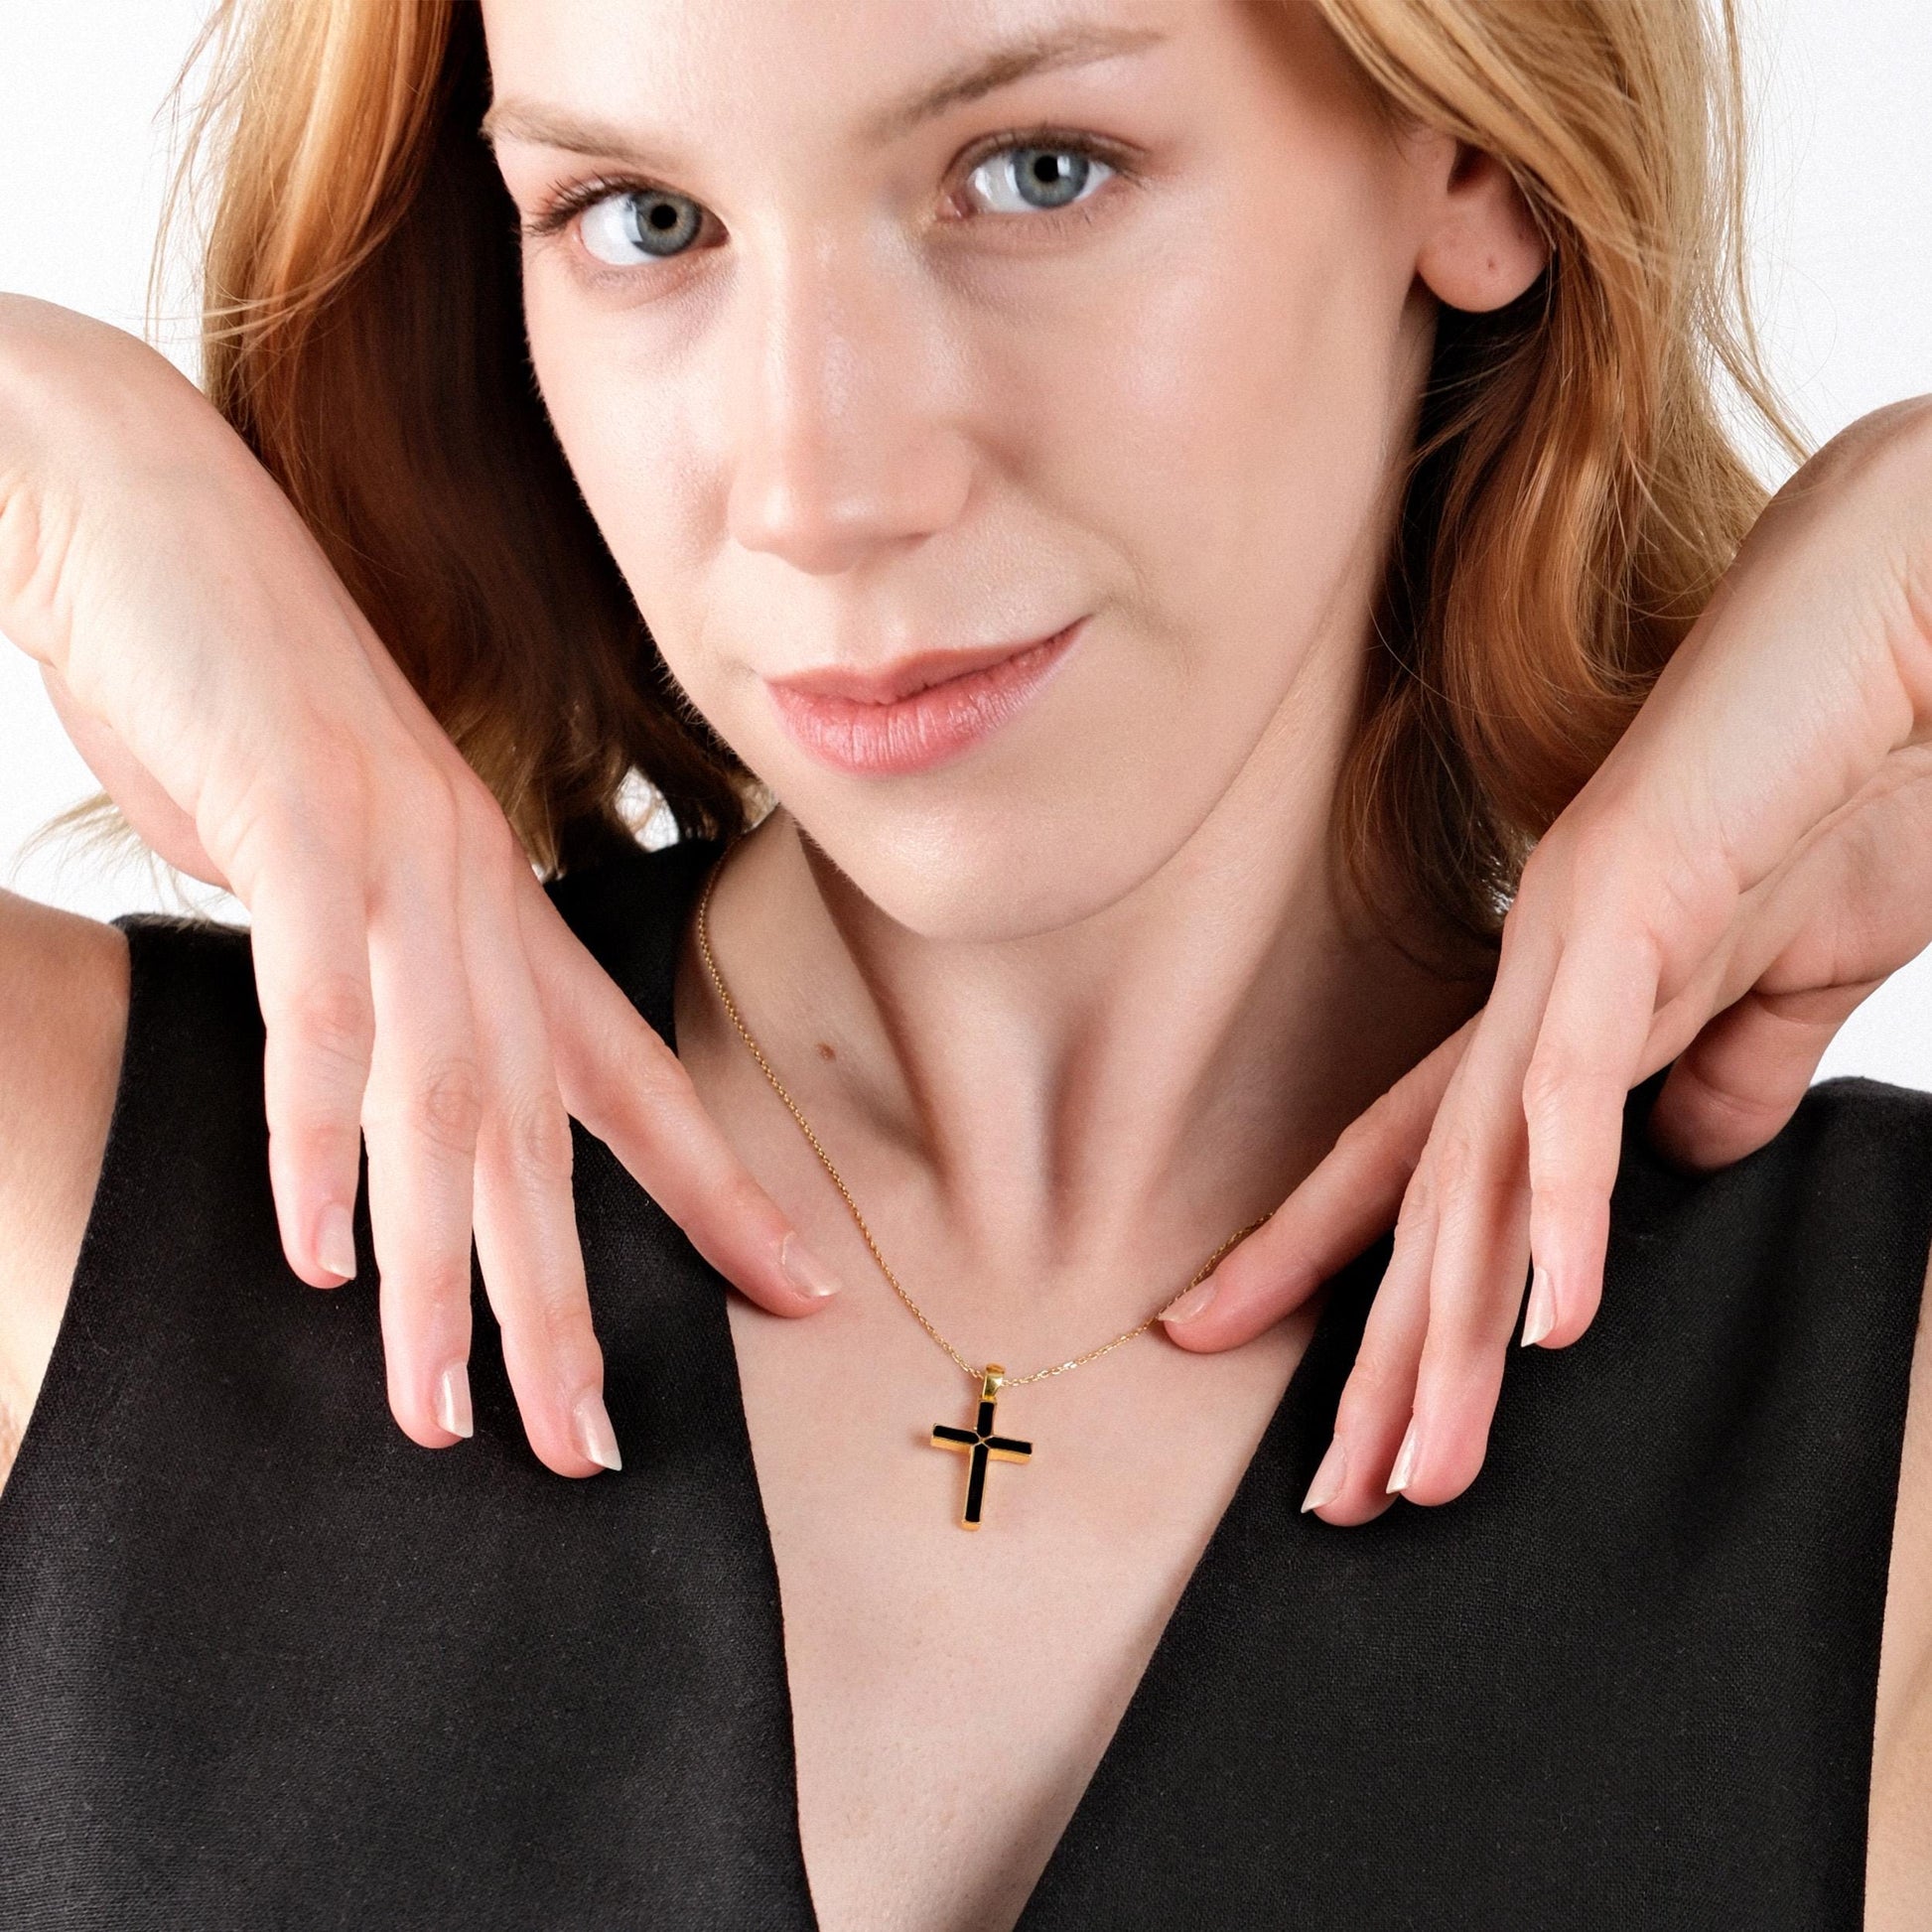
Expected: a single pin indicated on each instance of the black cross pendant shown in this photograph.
(979, 1443)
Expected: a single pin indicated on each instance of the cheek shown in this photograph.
(1230, 430)
(628, 436)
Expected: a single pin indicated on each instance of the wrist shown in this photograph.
(1914, 649)
(1866, 499)
(32, 372)
(64, 379)
(20, 537)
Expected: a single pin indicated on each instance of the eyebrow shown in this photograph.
(971, 79)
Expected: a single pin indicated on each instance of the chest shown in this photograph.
(952, 1691)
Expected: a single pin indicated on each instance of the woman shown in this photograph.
(1053, 1051)
(244, 715)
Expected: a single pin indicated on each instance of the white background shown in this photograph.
(1841, 234)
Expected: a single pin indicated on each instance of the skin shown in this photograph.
(1063, 1057)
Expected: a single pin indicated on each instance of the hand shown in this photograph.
(419, 989)
(1750, 862)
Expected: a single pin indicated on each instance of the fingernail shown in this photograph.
(453, 1400)
(335, 1241)
(1192, 1304)
(1405, 1458)
(1541, 1316)
(595, 1436)
(804, 1269)
(1328, 1478)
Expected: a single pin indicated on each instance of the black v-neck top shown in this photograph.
(266, 1663)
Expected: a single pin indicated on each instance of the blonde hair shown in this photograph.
(1573, 495)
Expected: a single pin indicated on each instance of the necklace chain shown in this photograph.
(818, 1147)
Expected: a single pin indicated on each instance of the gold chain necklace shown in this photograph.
(979, 1443)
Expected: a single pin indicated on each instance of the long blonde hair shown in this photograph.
(1573, 495)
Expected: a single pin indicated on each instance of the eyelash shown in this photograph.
(560, 209)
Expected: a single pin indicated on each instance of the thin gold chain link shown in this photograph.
(818, 1147)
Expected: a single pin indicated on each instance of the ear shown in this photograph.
(1482, 247)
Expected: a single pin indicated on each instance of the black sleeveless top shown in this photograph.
(266, 1663)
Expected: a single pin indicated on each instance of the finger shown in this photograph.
(421, 1118)
(1475, 1292)
(1479, 1156)
(1741, 1078)
(1353, 1194)
(525, 1211)
(309, 941)
(1588, 1054)
(618, 1077)
(1475, 1162)
(1351, 1482)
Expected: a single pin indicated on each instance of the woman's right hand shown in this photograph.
(419, 989)
(1751, 860)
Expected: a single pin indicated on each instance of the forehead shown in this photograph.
(865, 70)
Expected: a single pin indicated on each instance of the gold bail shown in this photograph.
(992, 1381)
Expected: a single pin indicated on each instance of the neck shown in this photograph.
(1078, 1118)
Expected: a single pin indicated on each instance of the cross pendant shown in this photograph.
(979, 1443)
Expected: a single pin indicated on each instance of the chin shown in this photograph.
(991, 874)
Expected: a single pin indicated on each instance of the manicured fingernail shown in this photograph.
(335, 1241)
(1328, 1478)
(1405, 1458)
(595, 1436)
(1192, 1304)
(453, 1400)
(1541, 1316)
(804, 1270)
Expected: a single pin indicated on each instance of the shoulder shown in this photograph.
(64, 1005)
(1853, 1096)
(1799, 1267)
(1841, 1116)
(1842, 1190)
(1856, 1160)
(1900, 1873)
(1870, 1144)
(130, 1078)
(1789, 1312)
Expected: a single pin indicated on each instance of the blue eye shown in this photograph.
(639, 224)
(1019, 179)
(623, 227)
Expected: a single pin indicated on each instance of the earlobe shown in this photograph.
(1483, 248)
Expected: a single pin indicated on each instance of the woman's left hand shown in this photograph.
(1750, 862)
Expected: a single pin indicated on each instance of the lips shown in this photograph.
(917, 714)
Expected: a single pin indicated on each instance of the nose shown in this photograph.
(844, 439)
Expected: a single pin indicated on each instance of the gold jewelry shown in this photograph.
(978, 1444)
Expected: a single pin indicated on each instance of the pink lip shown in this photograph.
(918, 713)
